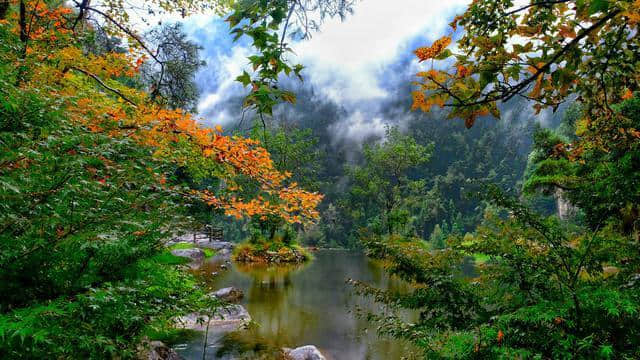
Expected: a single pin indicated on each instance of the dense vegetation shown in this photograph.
(99, 167)
(559, 286)
(102, 161)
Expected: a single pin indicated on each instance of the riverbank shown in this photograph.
(293, 305)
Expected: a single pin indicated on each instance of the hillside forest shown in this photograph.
(483, 203)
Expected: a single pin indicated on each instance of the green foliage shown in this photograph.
(543, 293)
(603, 180)
(266, 23)
(294, 150)
(260, 20)
(83, 271)
(381, 185)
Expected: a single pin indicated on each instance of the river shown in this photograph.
(309, 304)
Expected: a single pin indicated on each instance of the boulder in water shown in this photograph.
(230, 317)
(228, 294)
(307, 352)
(157, 350)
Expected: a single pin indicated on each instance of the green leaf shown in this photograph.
(598, 6)
(446, 53)
(244, 79)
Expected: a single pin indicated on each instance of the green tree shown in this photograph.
(383, 181)
(602, 183)
(171, 79)
(545, 292)
(293, 149)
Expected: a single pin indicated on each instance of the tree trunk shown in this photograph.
(4, 9)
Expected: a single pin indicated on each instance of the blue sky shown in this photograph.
(359, 63)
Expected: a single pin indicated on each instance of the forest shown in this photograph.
(319, 179)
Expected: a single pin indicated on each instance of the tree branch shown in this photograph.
(541, 3)
(99, 81)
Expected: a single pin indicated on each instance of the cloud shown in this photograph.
(346, 61)
(346, 58)
(358, 127)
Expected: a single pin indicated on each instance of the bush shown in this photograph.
(542, 291)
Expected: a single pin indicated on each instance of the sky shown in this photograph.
(359, 63)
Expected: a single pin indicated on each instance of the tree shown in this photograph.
(293, 149)
(437, 237)
(545, 51)
(382, 182)
(173, 80)
(602, 182)
(543, 293)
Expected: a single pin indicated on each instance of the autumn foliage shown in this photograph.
(91, 88)
(539, 51)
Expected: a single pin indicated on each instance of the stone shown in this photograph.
(228, 294)
(565, 209)
(216, 245)
(232, 317)
(307, 352)
(194, 254)
(157, 350)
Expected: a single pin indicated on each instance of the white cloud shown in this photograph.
(358, 127)
(354, 51)
(227, 68)
(349, 62)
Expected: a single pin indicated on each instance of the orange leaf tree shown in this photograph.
(545, 51)
(92, 89)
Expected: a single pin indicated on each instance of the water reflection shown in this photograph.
(300, 305)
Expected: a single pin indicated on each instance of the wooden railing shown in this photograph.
(210, 232)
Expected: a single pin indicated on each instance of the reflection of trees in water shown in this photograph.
(310, 304)
(240, 345)
(275, 305)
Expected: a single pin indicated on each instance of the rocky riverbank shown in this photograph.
(232, 317)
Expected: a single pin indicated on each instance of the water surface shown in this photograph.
(308, 304)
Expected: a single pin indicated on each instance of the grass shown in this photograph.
(167, 258)
(181, 246)
(480, 258)
(184, 245)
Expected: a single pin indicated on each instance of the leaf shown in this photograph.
(469, 121)
(244, 79)
(598, 6)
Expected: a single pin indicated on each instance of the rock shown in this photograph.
(565, 209)
(216, 245)
(307, 352)
(223, 266)
(194, 254)
(157, 350)
(228, 294)
(232, 317)
(219, 245)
